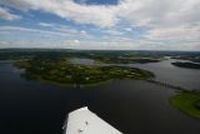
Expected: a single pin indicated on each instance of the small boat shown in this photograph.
(83, 121)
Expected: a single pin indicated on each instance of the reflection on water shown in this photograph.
(133, 107)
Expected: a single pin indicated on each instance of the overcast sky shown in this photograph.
(101, 24)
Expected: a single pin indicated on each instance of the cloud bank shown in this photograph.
(135, 12)
(169, 24)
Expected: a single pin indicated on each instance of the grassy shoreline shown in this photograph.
(187, 102)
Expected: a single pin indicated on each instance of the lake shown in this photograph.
(165, 71)
(133, 107)
(84, 61)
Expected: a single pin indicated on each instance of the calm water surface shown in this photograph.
(133, 107)
(84, 61)
(166, 72)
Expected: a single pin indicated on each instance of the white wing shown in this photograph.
(83, 121)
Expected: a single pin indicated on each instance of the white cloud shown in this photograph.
(97, 15)
(137, 12)
(43, 24)
(56, 31)
(113, 32)
(175, 33)
(30, 30)
(63, 29)
(76, 41)
(5, 14)
(166, 21)
(128, 29)
(83, 32)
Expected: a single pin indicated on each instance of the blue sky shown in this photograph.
(100, 24)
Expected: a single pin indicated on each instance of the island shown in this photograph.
(127, 60)
(187, 65)
(58, 70)
(187, 102)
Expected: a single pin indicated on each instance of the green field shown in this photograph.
(187, 102)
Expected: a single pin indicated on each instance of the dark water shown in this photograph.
(133, 107)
